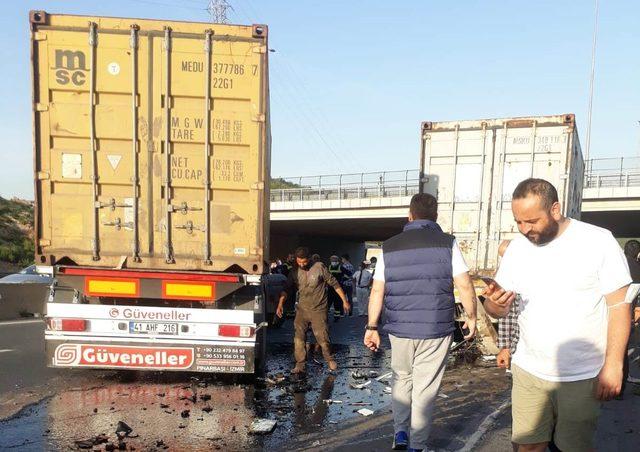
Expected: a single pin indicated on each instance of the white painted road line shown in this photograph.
(484, 427)
(20, 322)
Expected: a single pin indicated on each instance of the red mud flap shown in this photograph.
(174, 357)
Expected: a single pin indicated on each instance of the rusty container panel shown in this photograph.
(474, 166)
(151, 143)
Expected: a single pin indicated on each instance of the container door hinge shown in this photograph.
(260, 49)
(44, 242)
(43, 175)
(42, 107)
(39, 36)
(259, 118)
(257, 186)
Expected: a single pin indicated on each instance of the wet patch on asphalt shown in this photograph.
(187, 411)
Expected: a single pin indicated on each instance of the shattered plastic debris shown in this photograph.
(122, 429)
(360, 386)
(387, 390)
(207, 409)
(384, 377)
(443, 396)
(366, 411)
(488, 357)
(456, 345)
(262, 426)
(357, 375)
(330, 401)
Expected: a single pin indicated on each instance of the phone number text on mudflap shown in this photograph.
(235, 350)
(220, 356)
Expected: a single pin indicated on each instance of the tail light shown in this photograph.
(235, 331)
(67, 324)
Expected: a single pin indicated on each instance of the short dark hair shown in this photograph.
(302, 252)
(345, 256)
(373, 259)
(424, 206)
(537, 187)
(632, 249)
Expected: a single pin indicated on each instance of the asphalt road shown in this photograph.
(22, 357)
(52, 409)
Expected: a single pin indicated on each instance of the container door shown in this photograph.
(524, 151)
(208, 167)
(457, 168)
(88, 183)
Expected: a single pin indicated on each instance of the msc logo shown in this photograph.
(70, 67)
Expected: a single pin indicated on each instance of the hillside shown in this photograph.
(16, 232)
(279, 183)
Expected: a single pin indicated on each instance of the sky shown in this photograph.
(351, 81)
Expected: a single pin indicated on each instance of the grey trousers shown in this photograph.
(418, 366)
(362, 297)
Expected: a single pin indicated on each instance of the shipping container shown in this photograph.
(472, 167)
(151, 143)
(151, 151)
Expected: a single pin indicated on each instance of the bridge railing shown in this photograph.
(382, 184)
(612, 172)
(599, 173)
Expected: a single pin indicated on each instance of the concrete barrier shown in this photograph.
(22, 300)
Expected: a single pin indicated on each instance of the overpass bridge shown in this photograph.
(338, 211)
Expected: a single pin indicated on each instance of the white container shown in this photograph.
(472, 167)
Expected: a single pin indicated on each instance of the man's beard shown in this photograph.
(546, 235)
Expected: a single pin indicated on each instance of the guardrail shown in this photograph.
(612, 180)
(599, 173)
(612, 165)
(382, 184)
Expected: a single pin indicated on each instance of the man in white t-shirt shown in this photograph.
(414, 281)
(572, 278)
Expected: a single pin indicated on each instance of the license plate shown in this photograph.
(153, 328)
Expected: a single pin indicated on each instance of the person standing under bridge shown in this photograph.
(311, 281)
(347, 282)
(362, 280)
(340, 273)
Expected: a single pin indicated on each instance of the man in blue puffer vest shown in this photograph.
(414, 279)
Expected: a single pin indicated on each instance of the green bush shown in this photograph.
(16, 231)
